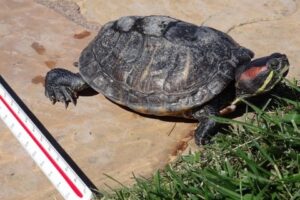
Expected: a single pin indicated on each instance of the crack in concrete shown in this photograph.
(71, 11)
(255, 21)
(207, 19)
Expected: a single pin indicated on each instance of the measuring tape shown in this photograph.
(36, 140)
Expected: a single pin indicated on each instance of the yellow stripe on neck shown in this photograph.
(263, 87)
(236, 101)
(260, 90)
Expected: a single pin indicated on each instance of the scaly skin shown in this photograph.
(62, 85)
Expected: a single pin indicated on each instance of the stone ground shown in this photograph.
(101, 137)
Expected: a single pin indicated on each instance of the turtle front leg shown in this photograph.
(207, 127)
(62, 85)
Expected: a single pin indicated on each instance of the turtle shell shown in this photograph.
(160, 65)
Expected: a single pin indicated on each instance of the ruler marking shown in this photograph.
(57, 167)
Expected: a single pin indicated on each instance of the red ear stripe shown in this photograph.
(252, 72)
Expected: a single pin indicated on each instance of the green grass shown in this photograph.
(258, 158)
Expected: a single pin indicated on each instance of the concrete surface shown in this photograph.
(100, 136)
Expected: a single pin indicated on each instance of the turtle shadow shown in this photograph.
(89, 92)
(161, 118)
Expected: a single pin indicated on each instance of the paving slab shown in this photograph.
(100, 136)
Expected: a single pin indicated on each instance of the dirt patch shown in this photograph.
(40, 49)
(50, 64)
(82, 34)
(38, 80)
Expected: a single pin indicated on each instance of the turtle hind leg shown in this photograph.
(62, 85)
(207, 127)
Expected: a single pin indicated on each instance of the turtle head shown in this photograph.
(261, 75)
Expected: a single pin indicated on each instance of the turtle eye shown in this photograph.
(274, 63)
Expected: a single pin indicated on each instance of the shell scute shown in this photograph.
(159, 64)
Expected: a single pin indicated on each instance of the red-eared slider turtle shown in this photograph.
(162, 66)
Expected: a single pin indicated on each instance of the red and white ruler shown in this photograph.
(35, 139)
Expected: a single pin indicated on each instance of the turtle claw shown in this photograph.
(59, 86)
(69, 96)
(62, 94)
(205, 131)
(72, 96)
(74, 101)
(66, 104)
(53, 101)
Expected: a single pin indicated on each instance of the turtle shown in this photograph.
(162, 66)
